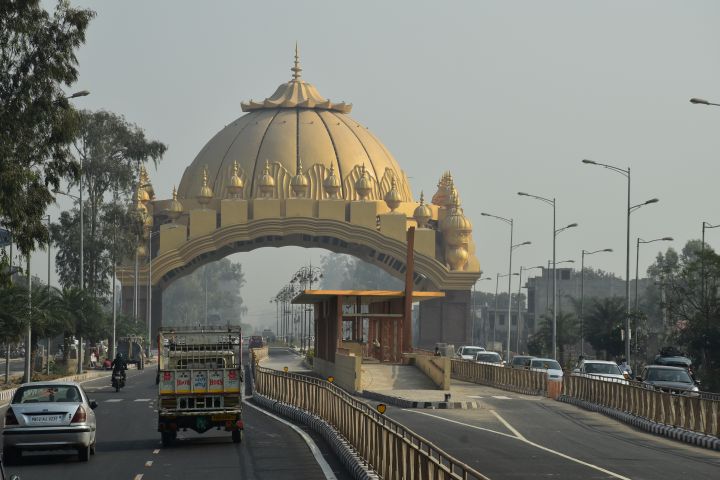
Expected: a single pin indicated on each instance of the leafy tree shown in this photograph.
(184, 300)
(13, 312)
(568, 332)
(604, 321)
(346, 272)
(37, 59)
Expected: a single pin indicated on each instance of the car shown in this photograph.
(49, 416)
(547, 365)
(675, 380)
(256, 341)
(521, 361)
(492, 358)
(601, 370)
(4, 476)
(468, 352)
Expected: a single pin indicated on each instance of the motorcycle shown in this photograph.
(118, 381)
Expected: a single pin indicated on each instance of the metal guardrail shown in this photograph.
(699, 414)
(497, 376)
(390, 449)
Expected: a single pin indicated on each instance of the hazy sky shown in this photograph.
(507, 95)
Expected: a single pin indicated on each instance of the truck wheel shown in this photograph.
(168, 438)
(237, 436)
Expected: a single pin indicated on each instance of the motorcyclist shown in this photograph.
(119, 365)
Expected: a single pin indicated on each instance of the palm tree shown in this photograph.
(603, 325)
(567, 332)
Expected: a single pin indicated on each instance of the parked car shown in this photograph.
(49, 416)
(547, 365)
(493, 358)
(521, 361)
(468, 352)
(669, 379)
(600, 369)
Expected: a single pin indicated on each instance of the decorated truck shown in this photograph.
(199, 381)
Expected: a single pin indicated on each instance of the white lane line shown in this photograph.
(149, 463)
(114, 400)
(523, 439)
(156, 451)
(508, 426)
(501, 397)
(324, 466)
(138, 476)
(475, 396)
(142, 399)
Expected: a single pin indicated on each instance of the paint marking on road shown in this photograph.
(501, 397)
(138, 476)
(460, 423)
(149, 463)
(475, 396)
(508, 426)
(114, 400)
(142, 399)
(156, 451)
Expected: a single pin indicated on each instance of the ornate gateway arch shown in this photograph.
(296, 169)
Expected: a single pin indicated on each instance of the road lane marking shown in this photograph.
(156, 451)
(524, 440)
(508, 426)
(142, 399)
(114, 400)
(324, 466)
(138, 476)
(149, 463)
(501, 397)
(476, 396)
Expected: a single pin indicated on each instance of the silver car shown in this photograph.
(49, 416)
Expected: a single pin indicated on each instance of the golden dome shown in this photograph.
(235, 184)
(139, 203)
(174, 208)
(456, 221)
(206, 193)
(267, 182)
(299, 182)
(332, 183)
(296, 122)
(392, 198)
(422, 213)
(363, 185)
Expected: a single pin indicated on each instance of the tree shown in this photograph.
(37, 59)
(604, 320)
(568, 332)
(346, 272)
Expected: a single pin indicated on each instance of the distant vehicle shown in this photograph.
(521, 361)
(132, 349)
(600, 369)
(493, 358)
(468, 352)
(49, 416)
(547, 365)
(256, 341)
(672, 357)
(675, 380)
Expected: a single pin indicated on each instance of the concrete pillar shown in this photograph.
(446, 319)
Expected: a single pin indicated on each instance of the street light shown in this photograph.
(700, 101)
(582, 296)
(637, 262)
(630, 209)
(472, 332)
(305, 276)
(517, 337)
(495, 319)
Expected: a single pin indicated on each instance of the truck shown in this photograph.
(199, 381)
(131, 348)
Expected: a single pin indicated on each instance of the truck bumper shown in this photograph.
(200, 422)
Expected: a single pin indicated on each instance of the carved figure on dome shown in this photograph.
(457, 236)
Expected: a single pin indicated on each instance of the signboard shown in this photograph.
(167, 383)
(199, 381)
(215, 381)
(182, 382)
(232, 381)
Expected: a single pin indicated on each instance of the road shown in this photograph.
(129, 448)
(17, 366)
(515, 436)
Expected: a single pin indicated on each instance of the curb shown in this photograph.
(404, 403)
(675, 433)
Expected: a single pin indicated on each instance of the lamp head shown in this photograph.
(81, 93)
(485, 214)
(585, 160)
(523, 194)
(699, 101)
(668, 239)
(652, 200)
(608, 250)
(572, 225)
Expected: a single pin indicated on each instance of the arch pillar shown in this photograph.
(445, 319)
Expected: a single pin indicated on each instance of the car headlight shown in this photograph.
(695, 389)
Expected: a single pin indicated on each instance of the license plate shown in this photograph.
(225, 416)
(46, 418)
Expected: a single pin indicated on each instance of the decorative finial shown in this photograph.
(267, 182)
(296, 69)
(422, 213)
(206, 192)
(235, 185)
(174, 193)
(299, 182)
(422, 197)
(392, 197)
(363, 186)
(332, 183)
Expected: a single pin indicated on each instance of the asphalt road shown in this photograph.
(521, 437)
(17, 366)
(129, 447)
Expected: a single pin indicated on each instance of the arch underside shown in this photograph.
(336, 236)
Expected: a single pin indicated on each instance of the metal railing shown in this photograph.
(389, 448)
(501, 377)
(696, 413)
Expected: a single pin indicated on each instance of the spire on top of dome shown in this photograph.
(296, 93)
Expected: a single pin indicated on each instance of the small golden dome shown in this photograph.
(422, 213)
(267, 182)
(363, 185)
(332, 183)
(174, 208)
(142, 195)
(299, 182)
(206, 193)
(392, 197)
(456, 221)
(235, 185)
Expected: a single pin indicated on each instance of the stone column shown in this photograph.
(446, 319)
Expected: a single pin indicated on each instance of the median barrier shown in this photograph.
(506, 378)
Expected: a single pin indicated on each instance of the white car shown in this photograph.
(489, 358)
(601, 370)
(468, 352)
(549, 366)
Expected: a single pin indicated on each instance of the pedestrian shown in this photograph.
(437, 351)
(93, 359)
(624, 367)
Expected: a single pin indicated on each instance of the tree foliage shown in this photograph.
(603, 324)
(346, 272)
(568, 331)
(37, 59)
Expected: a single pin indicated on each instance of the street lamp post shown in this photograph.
(305, 276)
(637, 263)
(700, 101)
(582, 296)
(519, 317)
(625, 173)
(495, 314)
(474, 318)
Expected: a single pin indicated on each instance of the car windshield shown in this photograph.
(521, 361)
(545, 364)
(664, 375)
(47, 393)
(488, 357)
(471, 350)
(602, 368)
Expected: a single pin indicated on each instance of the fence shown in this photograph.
(691, 413)
(517, 379)
(389, 448)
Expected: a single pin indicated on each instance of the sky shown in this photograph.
(508, 95)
